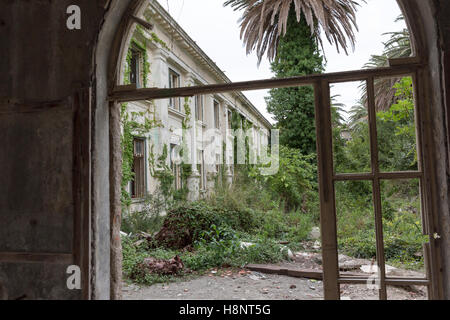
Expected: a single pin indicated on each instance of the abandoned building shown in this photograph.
(177, 61)
(61, 91)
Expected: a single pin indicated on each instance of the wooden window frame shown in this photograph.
(138, 184)
(136, 53)
(230, 119)
(327, 177)
(174, 102)
(216, 112)
(199, 111)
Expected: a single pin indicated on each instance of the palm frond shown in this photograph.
(265, 21)
(398, 46)
(358, 114)
(337, 110)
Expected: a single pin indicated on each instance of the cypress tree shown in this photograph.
(298, 54)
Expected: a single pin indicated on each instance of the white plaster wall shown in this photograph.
(192, 69)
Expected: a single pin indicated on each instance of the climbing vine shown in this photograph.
(160, 170)
(133, 124)
(140, 43)
(186, 166)
(236, 124)
(140, 124)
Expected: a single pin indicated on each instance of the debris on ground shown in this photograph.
(246, 245)
(315, 233)
(347, 263)
(175, 233)
(257, 276)
(159, 266)
(317, 245)
(143, 237)
(373, 268)
(308, 260)
(288, 252)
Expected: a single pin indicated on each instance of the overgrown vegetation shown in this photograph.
(247, 221)
(403, 238)
(210, 233)
(293, 108)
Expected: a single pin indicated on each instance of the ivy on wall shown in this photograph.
(236, 124)
(133, 124)
(160, 170)
(140, 124)
(186, 167)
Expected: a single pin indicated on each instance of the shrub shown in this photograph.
(225, 252)
(149, 219)
(188, 222)
(295, 183)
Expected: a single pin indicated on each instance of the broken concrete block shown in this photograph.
(315, 233)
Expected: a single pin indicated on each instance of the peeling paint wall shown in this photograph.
(42, 65)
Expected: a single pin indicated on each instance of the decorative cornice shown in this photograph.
(168, 23)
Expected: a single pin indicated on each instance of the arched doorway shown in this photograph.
(121, 29)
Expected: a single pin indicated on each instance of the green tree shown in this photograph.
(398, 46)
(396, 135)
(295, 183)
(289, 31)
(293, 108)
(398, 148)
(264, 22)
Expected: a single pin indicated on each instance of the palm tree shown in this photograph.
(358, 114)
(265, 21)
(398, 46)
(337, 111)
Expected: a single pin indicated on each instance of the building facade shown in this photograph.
(197, 131)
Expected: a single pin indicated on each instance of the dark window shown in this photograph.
(138, 169)
(174, 82)
(216, 115)
(199, 107)
(134, 67)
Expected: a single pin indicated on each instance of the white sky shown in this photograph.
(216, 31)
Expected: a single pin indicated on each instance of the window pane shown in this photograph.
(359, 292)
(199, 107)
(216, 115)
(397, 142)
(138, 169)
(368, 292)
(174, 82)
(403, 228)
(351, 140)
(407, 293)
(134, 67)
(356, 227)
